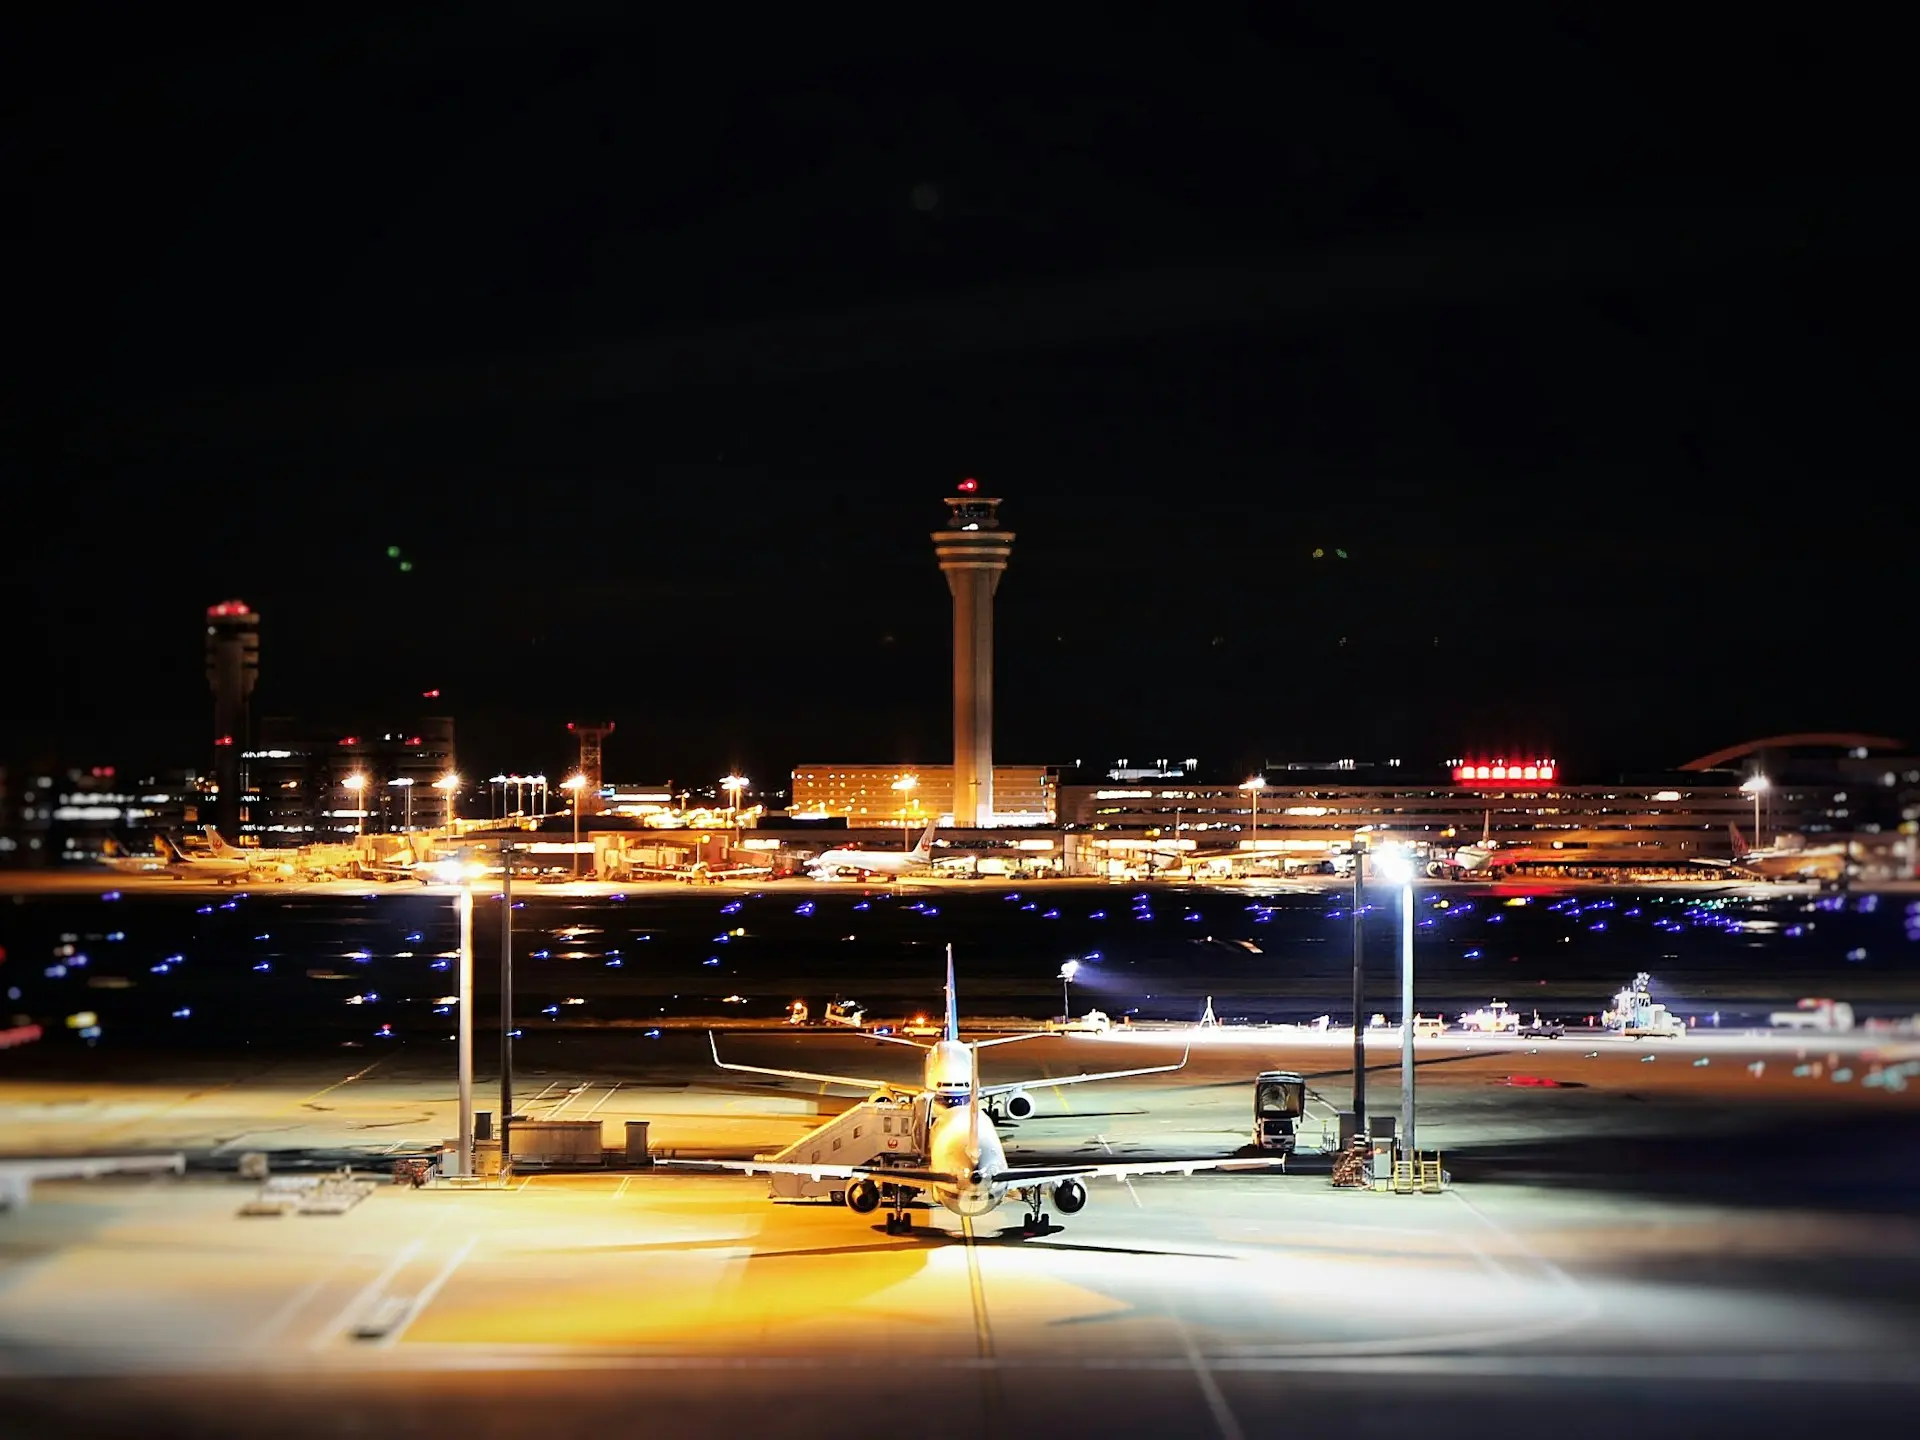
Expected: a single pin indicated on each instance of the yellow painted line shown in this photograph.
(338, 1083)
(977, 1290)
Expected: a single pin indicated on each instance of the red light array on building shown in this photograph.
(228, 607)
(1529, 772)
(350, 740)
(223, 740)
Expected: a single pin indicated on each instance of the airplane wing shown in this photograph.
(17, 1176)
(868, 1083)
(1048, 1174)
(1053, 1082)
(892, 1173)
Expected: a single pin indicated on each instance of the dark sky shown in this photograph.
(655, 350)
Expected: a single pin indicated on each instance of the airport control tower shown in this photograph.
(233, 665)
(973, 551)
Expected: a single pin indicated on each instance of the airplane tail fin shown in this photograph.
(953, 1000)
(924, 849)
(1486, 830)
(167, 850)
(973, 1107)
(1740, 846)
(218, 845)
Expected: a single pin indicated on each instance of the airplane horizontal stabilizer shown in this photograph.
(864, 1083)
(1009, 1039)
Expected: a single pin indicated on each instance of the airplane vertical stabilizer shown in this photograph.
(923, 850)
(1739, 841)
(953, 1001)
(973, 1107)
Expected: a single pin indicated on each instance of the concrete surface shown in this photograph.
(1660, 1248)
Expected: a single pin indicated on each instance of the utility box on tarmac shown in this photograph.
(638, 1151)
(569, 1143)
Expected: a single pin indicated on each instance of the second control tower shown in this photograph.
(973, 551)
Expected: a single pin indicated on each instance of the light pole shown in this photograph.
(905, 786)
(357, 783)
(448, 785)
(1253, 787)
(466, 1029)
(1067, 972)
(1397, 866)
(1756, 787)
(405, 785)
(574, 784)
(733, 785)
(506, 1007)
(1359, 988)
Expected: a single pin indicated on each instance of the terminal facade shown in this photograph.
(300, 792)
(879, 796)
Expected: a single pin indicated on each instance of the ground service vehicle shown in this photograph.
(1279, 1103)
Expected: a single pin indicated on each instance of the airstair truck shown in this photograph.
(885, 1129)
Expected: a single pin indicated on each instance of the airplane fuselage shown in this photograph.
(950, 1150)
(872, 862)
(949, 1071)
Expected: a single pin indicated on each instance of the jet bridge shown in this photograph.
(875, 1132)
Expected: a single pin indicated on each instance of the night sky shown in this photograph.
(655, 351)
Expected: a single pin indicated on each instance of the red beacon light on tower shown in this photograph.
(969, 485)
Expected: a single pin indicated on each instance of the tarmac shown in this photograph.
(1649, 1244)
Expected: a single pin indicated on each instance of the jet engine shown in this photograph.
(1069, 1197)
(863, 1197)
(1019, 1105)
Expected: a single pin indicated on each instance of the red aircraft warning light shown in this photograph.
(969, 485)
(227, 608)
(1529, 772)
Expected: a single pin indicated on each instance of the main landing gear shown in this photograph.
(1036, 1220)
(900, 1222)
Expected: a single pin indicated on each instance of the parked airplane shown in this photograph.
(948, 1077)
(263, 864)
(169, 859)
(875, 862)
(967, 1170)
(1776, 862)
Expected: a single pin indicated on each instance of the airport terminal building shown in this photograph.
(903, 796)
(1293, 815)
